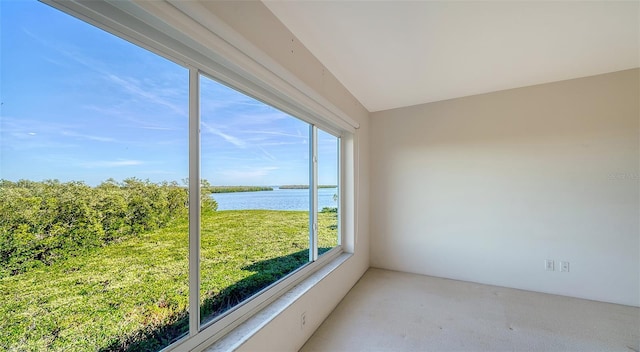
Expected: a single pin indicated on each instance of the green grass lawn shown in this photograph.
(133, 295)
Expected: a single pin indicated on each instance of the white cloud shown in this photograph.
(148, 91)
(227, 137)
(275, 133)
(110, 163)
(268, 155)
(87, 136)
(133, 86)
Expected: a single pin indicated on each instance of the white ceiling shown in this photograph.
(392, 54)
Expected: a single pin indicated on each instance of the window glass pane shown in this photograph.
(93, 217)
(328, 191)
(255, 170)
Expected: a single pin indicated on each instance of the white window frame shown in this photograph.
(190, 35)
(271, 292)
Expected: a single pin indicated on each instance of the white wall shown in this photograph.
(257, 24)
(485, 188)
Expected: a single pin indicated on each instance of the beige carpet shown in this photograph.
(392, 311)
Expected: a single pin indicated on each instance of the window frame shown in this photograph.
(176, 31)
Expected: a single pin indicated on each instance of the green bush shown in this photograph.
(42, 222)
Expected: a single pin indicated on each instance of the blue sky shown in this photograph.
(81, 104)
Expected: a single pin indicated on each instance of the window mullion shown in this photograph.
(339, 193)
(194, 201)
(313, 193)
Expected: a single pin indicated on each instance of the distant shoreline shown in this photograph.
(205, 188)
(233, 189)
(305, 186)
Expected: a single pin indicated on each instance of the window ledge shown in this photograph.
(236, 337)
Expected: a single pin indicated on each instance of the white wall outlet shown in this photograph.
(564, 266)
(303, 320)
(549, 265)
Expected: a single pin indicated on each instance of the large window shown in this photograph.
(141, 201)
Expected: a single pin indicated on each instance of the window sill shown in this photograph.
(243, 332)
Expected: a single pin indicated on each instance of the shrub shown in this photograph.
(42, 222)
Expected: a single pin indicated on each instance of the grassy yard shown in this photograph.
(133, 295)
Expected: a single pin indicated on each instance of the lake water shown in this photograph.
(278, 199)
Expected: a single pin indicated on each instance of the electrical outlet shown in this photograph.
(549, 265)
(303, 320)
(564, 267)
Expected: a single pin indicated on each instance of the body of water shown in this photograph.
(278, 199)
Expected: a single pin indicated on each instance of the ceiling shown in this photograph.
(391, 54)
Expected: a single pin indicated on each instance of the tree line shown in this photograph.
(43, 222)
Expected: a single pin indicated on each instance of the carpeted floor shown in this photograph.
(393, 311)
